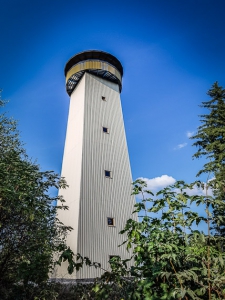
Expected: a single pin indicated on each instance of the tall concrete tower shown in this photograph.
(95, 162)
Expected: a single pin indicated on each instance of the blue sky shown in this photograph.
(171, 51)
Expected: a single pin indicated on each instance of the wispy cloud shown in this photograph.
(190, 133)
(180, 146)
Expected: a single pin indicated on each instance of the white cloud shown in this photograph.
(199, 191)
(158, 182)
(190, 133)
(180, 146)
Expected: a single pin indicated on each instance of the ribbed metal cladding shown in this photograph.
(103, 197)
(96, 197)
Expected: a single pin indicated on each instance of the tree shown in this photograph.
(210, 140)
(211, 134)
(30, 233)
(170, 255)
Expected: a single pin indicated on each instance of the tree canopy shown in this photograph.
(30, 232)
(210, 141)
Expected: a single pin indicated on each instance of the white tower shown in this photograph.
(95, 162)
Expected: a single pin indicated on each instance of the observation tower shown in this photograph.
(95, 162)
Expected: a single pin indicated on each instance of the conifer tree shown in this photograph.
(210, 140)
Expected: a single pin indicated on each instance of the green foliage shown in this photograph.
(210, 141)
(75, 261)
(170, 258)
(210, 138)
(30, 233)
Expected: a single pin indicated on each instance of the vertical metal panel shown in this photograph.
(103, 197)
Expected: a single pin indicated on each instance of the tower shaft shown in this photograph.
(97, 169)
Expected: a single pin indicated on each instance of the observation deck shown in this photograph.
(99, 63)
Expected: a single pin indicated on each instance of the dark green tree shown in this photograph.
(30, 233)
(210, 141)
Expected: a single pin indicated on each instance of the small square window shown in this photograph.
(105, 129)
(107, 173)
(103, 98)
(110, 221)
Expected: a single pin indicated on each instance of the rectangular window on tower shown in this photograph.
(108, 174)
(103, 98)
(105, 129)
(110, 222)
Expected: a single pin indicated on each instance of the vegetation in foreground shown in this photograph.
(172, 258)
(30, 233)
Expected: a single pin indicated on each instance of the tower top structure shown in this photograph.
(99, 63)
